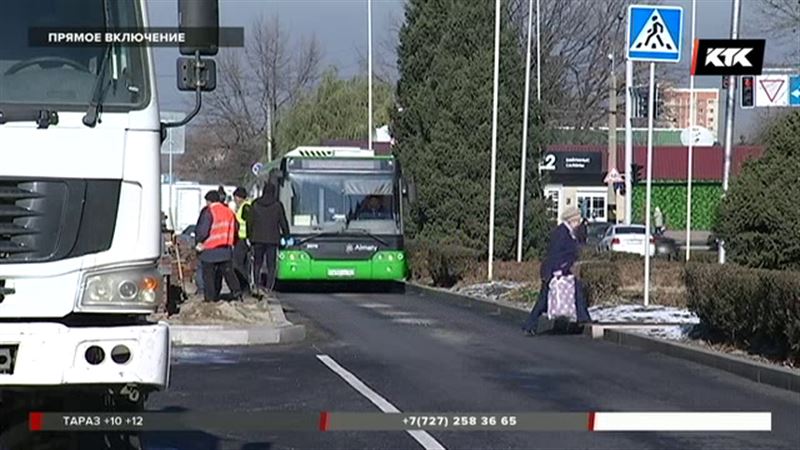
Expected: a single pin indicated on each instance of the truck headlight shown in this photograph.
(136, 289)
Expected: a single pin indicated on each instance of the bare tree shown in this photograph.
(784, 15)
(577, 38)
(781, 18)
(254, 87)
(384, 54)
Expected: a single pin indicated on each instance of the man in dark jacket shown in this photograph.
(215, 235)
(241, 251)
(266, 226)
(562, 254)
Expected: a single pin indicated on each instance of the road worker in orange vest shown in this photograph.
(215, 234)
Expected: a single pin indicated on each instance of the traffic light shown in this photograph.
(659, 104)
(748, 97)
(636, 174)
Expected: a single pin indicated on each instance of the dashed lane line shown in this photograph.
(422, 437)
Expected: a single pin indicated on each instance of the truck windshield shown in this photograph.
(65, 77)
(331, 202)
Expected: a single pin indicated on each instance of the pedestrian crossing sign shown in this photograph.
(655, 33)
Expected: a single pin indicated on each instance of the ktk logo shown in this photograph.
(728, 57)
(733, 56)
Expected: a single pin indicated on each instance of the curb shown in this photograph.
(485, 306)
(753, 370)
(280, 331)
(222, 335)
(778, 377)
(517, 312)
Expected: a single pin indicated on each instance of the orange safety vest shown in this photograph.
(223, 227)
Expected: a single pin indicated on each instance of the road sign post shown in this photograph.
(654, 35)
(175, 143)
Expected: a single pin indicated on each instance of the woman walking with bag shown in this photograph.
(562, 254)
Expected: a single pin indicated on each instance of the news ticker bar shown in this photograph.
(349, 421)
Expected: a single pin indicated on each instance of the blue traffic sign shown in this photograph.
(794, 90)
(655, 33)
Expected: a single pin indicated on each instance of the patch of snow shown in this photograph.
(492, 291)
(639, 313)
(667, 333)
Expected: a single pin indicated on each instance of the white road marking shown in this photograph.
(426, 440)
(375, 305)
(395, 313)
(414, 321)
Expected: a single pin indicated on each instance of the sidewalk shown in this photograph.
(251, 322)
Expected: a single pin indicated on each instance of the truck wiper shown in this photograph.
(43, 117)
(99, 91)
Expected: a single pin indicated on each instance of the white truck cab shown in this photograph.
(80, 215)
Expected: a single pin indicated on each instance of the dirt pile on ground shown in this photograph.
(197, 312)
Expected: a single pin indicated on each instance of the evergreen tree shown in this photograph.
(336, 109)
(759, 218)
(444, 121)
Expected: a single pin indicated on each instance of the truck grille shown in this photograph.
(16, 222)
(52, 219)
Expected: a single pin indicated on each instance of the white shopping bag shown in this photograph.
(561, 297)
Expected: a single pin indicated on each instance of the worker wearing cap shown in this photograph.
(241, 251)
(216, 234)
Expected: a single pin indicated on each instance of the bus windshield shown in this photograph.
(332, 202)
(65, 77)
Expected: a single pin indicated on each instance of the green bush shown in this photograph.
(754, 309)
(417, 256)
(600, 279)
(444, 263)
(449, 263)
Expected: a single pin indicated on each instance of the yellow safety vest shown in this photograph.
(240, 219)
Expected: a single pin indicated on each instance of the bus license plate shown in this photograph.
(341, 273)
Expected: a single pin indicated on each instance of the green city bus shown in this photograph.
(345, 207)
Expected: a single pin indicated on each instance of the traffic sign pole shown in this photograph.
(649, 184)
(654, 35)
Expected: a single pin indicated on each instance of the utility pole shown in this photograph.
(269, 131)
(523, 163)
(612, 130)
(369, 68)
(730, 110)
(690, 164)
(628, 141)
(494, 133)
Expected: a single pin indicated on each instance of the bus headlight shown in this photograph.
(134, 289)
(400, 256)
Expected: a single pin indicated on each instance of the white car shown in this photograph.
(627, 239)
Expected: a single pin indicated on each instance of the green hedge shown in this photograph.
(671, 198)
(444, 263)
(600, 280)
(754, 309)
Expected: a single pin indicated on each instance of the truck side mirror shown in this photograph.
(199, 19)
(188, 78)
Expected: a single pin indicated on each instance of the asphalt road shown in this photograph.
(421, 355)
